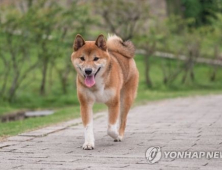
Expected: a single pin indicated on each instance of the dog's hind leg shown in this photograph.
(128, 94)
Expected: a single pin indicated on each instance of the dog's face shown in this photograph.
(90, 58)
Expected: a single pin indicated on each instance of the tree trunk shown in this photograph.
(64, 80)
(187, 67)
(213, 75)
(147, 70)
(192, 76)
(13, 87)
(44, 74)
(5, 79)
(165, 77)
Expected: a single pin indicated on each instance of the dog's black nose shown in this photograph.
(88, 71)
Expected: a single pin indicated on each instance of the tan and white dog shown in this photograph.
(106, 73)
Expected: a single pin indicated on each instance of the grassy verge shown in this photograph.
(63, 114)
(67, 105)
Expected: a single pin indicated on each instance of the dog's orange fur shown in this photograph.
(118, 73)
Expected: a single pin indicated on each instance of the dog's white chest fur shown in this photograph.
(101, 95)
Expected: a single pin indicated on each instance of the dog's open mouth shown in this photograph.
(90, 80)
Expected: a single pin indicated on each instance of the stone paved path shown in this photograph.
(183, 124)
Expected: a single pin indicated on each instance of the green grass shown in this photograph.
(68, 108)
(61, 115)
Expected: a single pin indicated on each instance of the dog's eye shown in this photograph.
(82, 58)
(95, 59)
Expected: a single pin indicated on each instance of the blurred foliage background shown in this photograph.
(178, 47)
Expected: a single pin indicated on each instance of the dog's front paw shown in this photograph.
(118, 139)
(88, 146)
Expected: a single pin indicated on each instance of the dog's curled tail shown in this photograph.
(115, 43)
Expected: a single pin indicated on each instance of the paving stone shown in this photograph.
(19, 138)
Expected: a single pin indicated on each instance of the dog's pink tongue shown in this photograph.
(89, 81)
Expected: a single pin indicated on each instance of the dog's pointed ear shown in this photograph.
(78, 42)
(101, 42)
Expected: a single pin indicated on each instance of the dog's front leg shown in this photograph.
(87, 119)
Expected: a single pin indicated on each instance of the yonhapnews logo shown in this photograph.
(154, 154)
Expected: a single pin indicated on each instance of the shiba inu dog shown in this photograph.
(107, 73)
